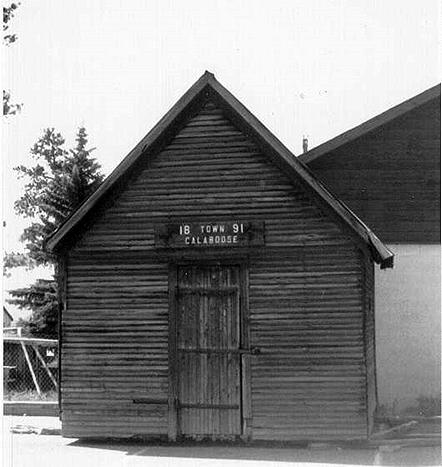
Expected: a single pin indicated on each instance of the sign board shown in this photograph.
(209, 234)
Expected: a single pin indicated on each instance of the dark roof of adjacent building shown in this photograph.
(388, 170)
(250, 125)
(372, 124)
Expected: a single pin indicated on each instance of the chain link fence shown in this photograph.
(30, 368)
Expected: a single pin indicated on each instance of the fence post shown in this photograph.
(28, 360)
(42, 360)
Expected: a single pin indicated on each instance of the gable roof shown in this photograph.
(206, 86)
(371, 124)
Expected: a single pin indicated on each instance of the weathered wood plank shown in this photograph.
(301, 306)
(391, 177)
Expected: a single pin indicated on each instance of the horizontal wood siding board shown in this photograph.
(62, 270)
(370, 344)
(305, 299)
(114, 356)
(390, 177)
(309, 378)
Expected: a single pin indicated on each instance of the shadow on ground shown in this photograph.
(320, 454)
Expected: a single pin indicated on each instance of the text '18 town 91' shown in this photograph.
(210, 234)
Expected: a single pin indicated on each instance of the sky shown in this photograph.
(304, 68)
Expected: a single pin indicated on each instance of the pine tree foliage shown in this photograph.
(56, 184)
(15, 260)
(42, 299)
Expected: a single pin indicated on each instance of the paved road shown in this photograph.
(32, 450)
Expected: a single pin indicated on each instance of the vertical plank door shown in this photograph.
(208, 352)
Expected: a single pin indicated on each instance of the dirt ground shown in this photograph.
(26, 448)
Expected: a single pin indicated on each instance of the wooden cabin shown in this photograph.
(213, 288)
(388, 172)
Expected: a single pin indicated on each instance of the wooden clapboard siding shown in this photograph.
(115, 347)
(390, 176)
(307, 320)
(306, 303)
(369, 335)
(183, 184)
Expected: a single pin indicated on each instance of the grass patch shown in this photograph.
(29, 395)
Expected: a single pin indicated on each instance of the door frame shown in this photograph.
(244, 323)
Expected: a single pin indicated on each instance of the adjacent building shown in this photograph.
(387, 171)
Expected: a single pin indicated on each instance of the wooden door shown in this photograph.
(208, 344)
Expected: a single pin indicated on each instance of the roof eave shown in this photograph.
(371, 124)
(381, 254)
(53, 241)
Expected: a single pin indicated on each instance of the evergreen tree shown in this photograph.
(42, 299)
(57, 183)
(39, 203)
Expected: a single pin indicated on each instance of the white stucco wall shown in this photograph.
(408, 325)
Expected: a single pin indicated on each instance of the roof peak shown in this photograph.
(250, 125)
